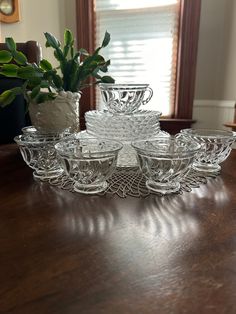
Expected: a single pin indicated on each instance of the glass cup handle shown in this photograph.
(150, 92)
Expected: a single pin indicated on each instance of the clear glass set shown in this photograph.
(123, 135)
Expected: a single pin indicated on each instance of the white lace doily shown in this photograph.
(131, 182)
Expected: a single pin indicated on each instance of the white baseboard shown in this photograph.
(214, 103)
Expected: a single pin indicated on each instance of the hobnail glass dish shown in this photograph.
(216, 146)
(125, 98)
(139, 125)
(39, 153)
(89, 162)
(164, 161)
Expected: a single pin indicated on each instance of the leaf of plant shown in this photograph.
(52, 41)
(103, 67)
(17, 90)
(42, 97)
(45, 65)
(35, 92)
(73, 81)
(11, 45)
(9, 70)
(6, 98)
(83, 52)
(5, 56)
(72, 52)
(57, 81)
(34, 81)
(107, 79)
(67, 74)
(68, 38)
(106, 39)
(60, 57)
(28, 72)
(19, 57)
(66, 50)
(44, 84)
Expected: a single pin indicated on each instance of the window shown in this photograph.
(184, 53)
(147, 52)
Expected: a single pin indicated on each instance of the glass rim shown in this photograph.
(123, 87)
(62, 151)
(28, 139)
(138, 113)
(157, 152)
(213, 133)
(118, 85)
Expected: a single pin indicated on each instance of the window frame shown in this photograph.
(186, 61)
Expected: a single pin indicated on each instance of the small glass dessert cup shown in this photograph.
(125, 98)
(165, 161)
(89, 162)
(39, 153)
(216, 146)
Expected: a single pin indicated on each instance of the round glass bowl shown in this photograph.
(216, 146)
(39, 153)
(164, 162)
(139, 125)
(125, 98)
(89, 162)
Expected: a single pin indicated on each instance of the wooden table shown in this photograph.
(66, 253)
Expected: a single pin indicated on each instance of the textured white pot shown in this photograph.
(58, 114)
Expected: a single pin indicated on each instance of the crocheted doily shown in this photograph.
(131, 182)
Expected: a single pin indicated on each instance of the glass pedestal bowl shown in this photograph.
(164, 162)
(39, 153)
(89, 162)
(216, 146)
(125, 98)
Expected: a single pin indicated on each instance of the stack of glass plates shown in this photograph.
(141, 124)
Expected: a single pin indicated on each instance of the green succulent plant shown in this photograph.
(42, 82)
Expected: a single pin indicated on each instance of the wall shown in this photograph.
(215, 91)
(38, 17)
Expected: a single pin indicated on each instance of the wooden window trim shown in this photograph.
(186, 67)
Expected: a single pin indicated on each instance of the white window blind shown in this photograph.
(143, 47)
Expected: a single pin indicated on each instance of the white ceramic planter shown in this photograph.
(58, 114)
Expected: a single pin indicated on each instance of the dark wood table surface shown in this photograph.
(66, 253)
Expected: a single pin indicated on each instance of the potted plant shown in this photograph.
(53, 94)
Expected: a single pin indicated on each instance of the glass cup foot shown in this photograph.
(90, 188)
(163, 188)
(40, 175)
(212, 168)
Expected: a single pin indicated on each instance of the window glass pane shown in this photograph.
(143, 47)
(131, 4)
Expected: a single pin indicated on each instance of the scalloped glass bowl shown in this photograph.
(39, 153)
(216, 146)
(164, 162)
(89, 162)
(125, 98)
